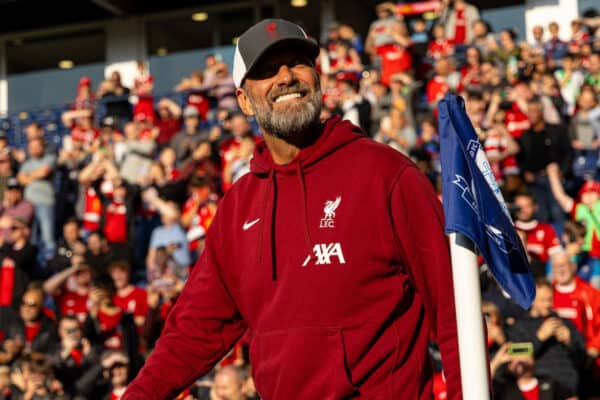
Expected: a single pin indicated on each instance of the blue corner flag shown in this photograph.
(474, 206)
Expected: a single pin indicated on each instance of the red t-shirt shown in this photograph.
(87, 136)
(115, 222)
(136, 302)
(73, 303)
(531, 391)
(31, 331)
(516, 121)
(436, 88)
(167, 129)
(541, 239)
(439, 47)
(394, 59)
(109, 326)
(568, 306)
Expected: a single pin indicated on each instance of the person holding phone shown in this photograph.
(558, 349)
(515, 376)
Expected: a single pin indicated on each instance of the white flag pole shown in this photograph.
(469, 321)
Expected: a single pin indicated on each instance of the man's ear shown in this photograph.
(244, 101)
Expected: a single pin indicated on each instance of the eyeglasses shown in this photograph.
(15, 228)
(71, 331)
(29, 303)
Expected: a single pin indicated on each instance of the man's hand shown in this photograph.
(13, 346)
(496, 334)
(529, 176)
(500, 358)
(563, 335)
(547, 329)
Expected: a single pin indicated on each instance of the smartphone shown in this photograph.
(520, 349)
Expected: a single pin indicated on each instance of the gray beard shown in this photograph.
(297, 121)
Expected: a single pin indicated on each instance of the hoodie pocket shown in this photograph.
(301, 363)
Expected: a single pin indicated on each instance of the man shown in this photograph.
(36, 176)
(14, 205)
(185, 141)
(71, 288)
(537, 44)
(33, 330)
(554, 48)
(228, 384)
(541, 145)
(339, 304)
(557, 346)
(577, 301)
(69, 246)
(129, 298)
(74, 358)
(516, 378)
(239, 127)
(18, 249)
(542, 241)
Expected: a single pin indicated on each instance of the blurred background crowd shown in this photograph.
(100, 226)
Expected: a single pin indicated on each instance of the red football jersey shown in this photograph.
(394, 59)
(72, 303)
(436, 88)
(109, 325)
(568, 306)
(136, 302)
(516, 121)
(542, 241)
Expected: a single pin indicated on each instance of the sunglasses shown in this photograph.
(29, 303)
(15, 228)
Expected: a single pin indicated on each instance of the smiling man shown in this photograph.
(331, 253)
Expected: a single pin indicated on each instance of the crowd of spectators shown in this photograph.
(99, 233)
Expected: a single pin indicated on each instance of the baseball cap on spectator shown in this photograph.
(13, 183)
(261, 37)
(107, 122)
(590, 186)
(190, 111)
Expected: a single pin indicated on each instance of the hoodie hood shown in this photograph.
(328, 142)
(263, 167)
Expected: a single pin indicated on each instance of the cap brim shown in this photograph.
(310, 47)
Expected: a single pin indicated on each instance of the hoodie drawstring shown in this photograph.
(268, 223)
(307, 237)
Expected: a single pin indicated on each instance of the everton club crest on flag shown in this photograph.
(474, 206)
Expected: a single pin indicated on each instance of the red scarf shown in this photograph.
(7, 281)
(77, 356)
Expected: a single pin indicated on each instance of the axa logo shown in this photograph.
(325, 254)
(330, 206)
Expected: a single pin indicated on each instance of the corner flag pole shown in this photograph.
(469, 322)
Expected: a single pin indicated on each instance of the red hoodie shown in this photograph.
(336, 263)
